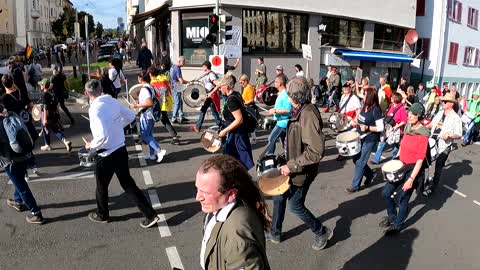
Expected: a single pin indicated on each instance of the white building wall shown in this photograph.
(394, 12)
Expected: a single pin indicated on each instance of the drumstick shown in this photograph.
(84, 140)
(265, 110)
(88, 119)
(127, 101)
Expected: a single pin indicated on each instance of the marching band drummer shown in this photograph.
(369, 123)
(350, 106)
(413, 150)
(108, 117)
(237, 143)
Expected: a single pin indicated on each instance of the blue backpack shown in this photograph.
(18, 136)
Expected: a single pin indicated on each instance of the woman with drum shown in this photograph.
(237, 143)
(395, 119)
(413, 150)
(369, 124)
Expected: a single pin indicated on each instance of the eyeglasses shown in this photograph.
(445, 101)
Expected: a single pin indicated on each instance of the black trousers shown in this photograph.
(61, 102)
(117, 163)
(166, 122)
(439, 164)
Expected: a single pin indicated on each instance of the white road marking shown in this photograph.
(163, 226)
(174, 258)
(152, 194)
(138, 147)
(454, 190)
(147, 177)
(476, 202)
(373, 154)
(142, 161)
(60, 176)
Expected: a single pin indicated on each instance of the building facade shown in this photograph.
(33, 20)
(449, 38)
(276, 30)
(7, 30)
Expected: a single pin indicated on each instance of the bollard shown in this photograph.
(75, 72)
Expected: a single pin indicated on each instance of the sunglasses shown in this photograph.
(446, 101)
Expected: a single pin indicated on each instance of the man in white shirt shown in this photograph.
(107, 119)
(209, 81)
(446, 126)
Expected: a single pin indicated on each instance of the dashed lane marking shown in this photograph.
(454, 190)
(476, 202)
(60, 176)
(174, 258)
(142, 161)
(154, 199)
(163, 226)
(147, 177)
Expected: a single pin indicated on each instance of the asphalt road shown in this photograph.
(440, 233)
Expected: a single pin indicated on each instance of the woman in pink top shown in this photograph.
(396, 116)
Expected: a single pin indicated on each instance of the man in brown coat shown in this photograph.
(305, 145)
(236, 216)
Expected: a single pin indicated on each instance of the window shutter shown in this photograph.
(475, 19)
(477, 57)
(465, 56)
(455, 55)
(469, 20)
(420, 7)
(450, 8)
(450, 53)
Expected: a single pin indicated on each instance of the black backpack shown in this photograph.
(249, 115)
(157, 112)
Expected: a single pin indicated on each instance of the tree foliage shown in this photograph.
(64, 26)
(99, 30)
(91, 24)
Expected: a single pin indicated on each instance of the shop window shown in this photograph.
(472, 18)
(388, 37)
(341, 32)
(273, 32)
(454, 10)
(453, 53)
(194, 30)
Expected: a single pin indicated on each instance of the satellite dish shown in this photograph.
(411, 37)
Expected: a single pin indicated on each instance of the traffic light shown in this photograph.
(213, 29)
(225, 28)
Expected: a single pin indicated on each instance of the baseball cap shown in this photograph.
(417, 109)
(279, 67)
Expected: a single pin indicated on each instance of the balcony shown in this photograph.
(35, 14)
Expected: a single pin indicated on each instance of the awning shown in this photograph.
(374, 56)
(160, 11)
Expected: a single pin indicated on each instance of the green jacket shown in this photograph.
(473, 109)
(237, 243)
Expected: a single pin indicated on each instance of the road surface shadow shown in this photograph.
(391, 253)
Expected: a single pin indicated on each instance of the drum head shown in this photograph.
(194, 95)
(269, 96)
(37, 112)
(392, 166)
(274, 186)
(348, 136)
(135, 91)
(210, 141)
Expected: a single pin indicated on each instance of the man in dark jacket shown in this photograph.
(145, 57)
(305, 144)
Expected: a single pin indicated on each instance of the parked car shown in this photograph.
(106, 52)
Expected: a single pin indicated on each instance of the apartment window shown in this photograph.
(341, 32)
(454, 9)
(273, 32)
(422, 47)
(388, 37)
(420, 7)
(472, 18)
(453, 53)
(471, 57)
(195, 48)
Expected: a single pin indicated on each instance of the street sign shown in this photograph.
(307, 52)
(77, 30)
(218, 63)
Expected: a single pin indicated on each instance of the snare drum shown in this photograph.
(348, 143)
(269, 166)
(87, 157)
(466, 120)
(338, 122)
(210, 140)
(393, 171)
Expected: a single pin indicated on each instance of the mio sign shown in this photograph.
(196, 34)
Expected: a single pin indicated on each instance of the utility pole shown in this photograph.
(87, 45)
(216, 46)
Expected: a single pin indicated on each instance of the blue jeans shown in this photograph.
(398, 218)
(296, 203)
(467, 138)
(46, 135)
(208, 104)
(277, 132)
(146, 131)
(378, 154)
(16, 172)
(361, 167)
(177, 106)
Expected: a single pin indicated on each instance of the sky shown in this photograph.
(103, 11)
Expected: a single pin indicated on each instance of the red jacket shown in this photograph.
(413, 147)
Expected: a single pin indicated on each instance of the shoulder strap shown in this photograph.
(396, 110)
(346, 102)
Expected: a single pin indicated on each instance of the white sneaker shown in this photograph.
(150, 157)
(68, 145)
(46, 147)
(160, 155)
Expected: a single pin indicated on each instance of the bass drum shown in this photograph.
(267, 95)
(194, 95)
(134, 91)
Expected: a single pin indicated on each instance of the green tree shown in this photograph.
(91, 24)
(99, 30)
(63, 27)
